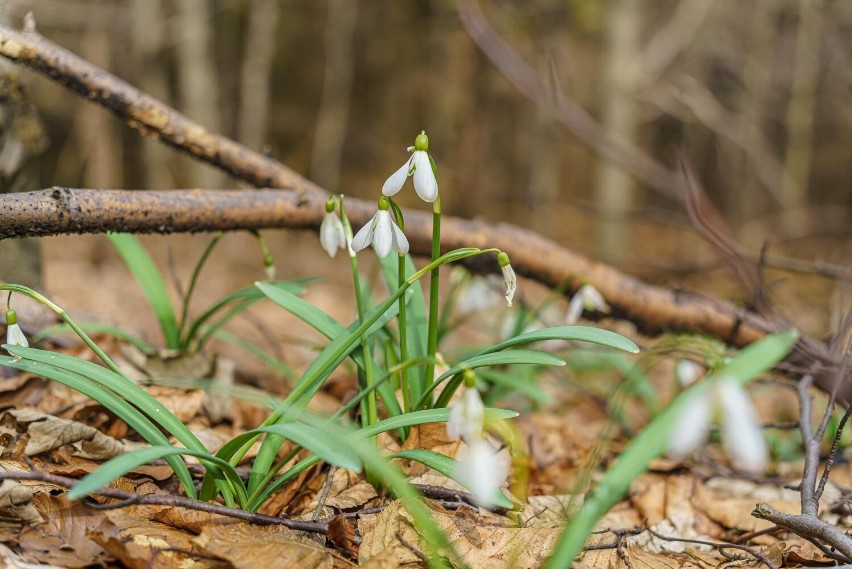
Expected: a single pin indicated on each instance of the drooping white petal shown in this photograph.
(511, 283)
(396, 180)
(15, 336)
(690, 428)
(481, 471)
(365, 236)
(332, 236)
(467, 417)
(400, 242)
(741, 433)
(575, 310)
(425, 183)
(383, 235)
(688, 372)
(592, 299)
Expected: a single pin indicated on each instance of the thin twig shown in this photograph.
(750, 550)
(829, 462)
(129, 498)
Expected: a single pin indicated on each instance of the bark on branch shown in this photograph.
(58, 210)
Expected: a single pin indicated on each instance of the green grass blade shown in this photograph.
(110, 400)
(417, 318)
(569, 333)
(93, 328)
(244, 298)
(447, 466)
(414, 418)
(508, 357)
(302, 309)
(121, 465)
(131, 392)
(332, 450)
(148, 276)
(513, 382)
(258, 353)
(652, 441)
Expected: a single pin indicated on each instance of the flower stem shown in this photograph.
(432, 338)
(403, 339)
(64, 315)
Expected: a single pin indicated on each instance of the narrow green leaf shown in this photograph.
(121, 465)
(317, 440)
(143, 268)
(652, 442)
(508, 357)
(134, 394)
(119, 407)
(257, 352)
(569, 333)
(94, 328)
(447, 466)
(514, 382)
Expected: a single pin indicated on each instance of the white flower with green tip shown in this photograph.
(419, 166)
(382, 232)
(14, 334)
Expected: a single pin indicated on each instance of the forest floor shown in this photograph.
(571, 440)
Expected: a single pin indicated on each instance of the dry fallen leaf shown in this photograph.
(481, 545)
(247, 546)
(47, 432)
(62, 539)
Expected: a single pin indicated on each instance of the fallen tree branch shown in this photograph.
(654, 309)
(49, 212)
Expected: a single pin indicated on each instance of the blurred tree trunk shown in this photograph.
(256, 71)
(743, 200)
(22, 137)
(147, 22)
(333, 117)
(545, 154)
(614, 191)
(98, 135)
(800, 109)
(199, 90)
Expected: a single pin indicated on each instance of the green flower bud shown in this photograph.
(422, 141)
(330, 205)
(384, 203)
(502, 259)
(11, 317)
(469, 378)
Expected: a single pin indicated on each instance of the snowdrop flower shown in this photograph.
(467, 416)
(382, 232)
(741, 434)
(688, 372)
(14, 334)
(587, 298)
(332, 235)
(481, 471)
(508, 276)
(420, 167)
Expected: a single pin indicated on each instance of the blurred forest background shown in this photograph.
(757, 94)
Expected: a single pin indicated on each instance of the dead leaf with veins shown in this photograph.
(46, 433)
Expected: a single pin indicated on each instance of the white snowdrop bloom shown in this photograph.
(587, 298)
(419, 166)
(741, 433)
(476, 295)
(14, 334)
(332, 235)
(508, 276)
(480, 470)
(382, 232)
(467, 416)
(688, 372)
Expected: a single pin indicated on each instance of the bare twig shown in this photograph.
(129, 498)
(750, 550)
(829, 462)
(807, 526)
